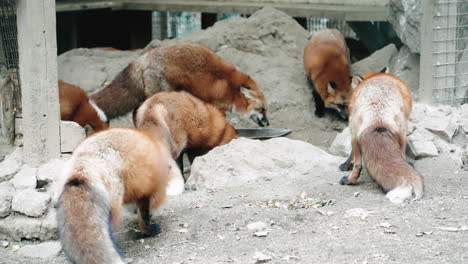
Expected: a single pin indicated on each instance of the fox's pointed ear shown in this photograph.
(247, 92)
(331, 87)
(356, 80)
(384, 70)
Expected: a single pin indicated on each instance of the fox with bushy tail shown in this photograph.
(109, 169)
(380, 106)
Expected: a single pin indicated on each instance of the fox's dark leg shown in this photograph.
(147, 229)
(180, 162)
(319, 105)
(357, 167)
(347, 164)
(193, 153)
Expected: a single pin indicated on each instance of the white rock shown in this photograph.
(422, 148)
(10, 165)
(261, 234)
(257, 226)
(71, 134)
(20, 227)
(51, 170)
(6, 197)
(341, 145)
(443, 126)
(357, 212)
(375, 62)
(260, 257)
(25, 178)
(41, 251)
(31, 203)
(244, 160)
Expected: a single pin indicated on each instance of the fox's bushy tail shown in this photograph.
(84, 224)
(387, 166)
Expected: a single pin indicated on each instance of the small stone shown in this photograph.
(385, 225)
(5, 244)
(447, 228)
(10, 165)
(341, 145)
(261, 234)
(25, 178)
(42, 251)
(422, 148)
(261, 258)
(257, 226)
(358, 212)
(6, 197)
(15, 248)
(51, 170)
(71, 134)
(31, 203)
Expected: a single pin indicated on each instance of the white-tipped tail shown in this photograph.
(100, 113)
(403, 193)
(176, 183)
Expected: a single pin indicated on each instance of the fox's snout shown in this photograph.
(260, 119)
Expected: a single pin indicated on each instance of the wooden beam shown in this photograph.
(426, 60)
(37, 48)
(342, 12)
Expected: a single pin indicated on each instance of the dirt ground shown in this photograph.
(356, 224)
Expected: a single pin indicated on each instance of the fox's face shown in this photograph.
(255, 106)
(338, 97)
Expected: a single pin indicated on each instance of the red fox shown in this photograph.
(380, 106)
(326, 63)
(76, 106)
(108, 169)
(184, 122)
(190, 67)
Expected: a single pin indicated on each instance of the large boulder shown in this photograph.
(405, 17)
(245, 161)
(405, 65)
(375, 62)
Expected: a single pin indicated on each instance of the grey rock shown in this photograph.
(442, 125)
(20, 227)
(71, 134)
(341, 145)
(51, 170)
(6, 197)
(375, 62)
(422, 148)
(10, 165)
(406, 20)
(41, 251)
(25, 178)
(101, 67)
(420, 144)
(244, 160)
(31, 203)
(405, 65)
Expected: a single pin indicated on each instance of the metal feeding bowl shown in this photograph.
(262, 133)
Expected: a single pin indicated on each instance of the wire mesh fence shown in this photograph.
(9, 47)
(450, 52)
(316, 23)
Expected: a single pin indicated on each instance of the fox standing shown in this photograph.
(76, 106)
(326, 63)
(183, 122)
(106, 170)
(190, 67)
(380, 106)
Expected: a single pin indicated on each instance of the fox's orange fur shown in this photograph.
(75, 106)
(108, 169)
(380, 106)
(190, 67)
(326, 63)
(184, 122)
